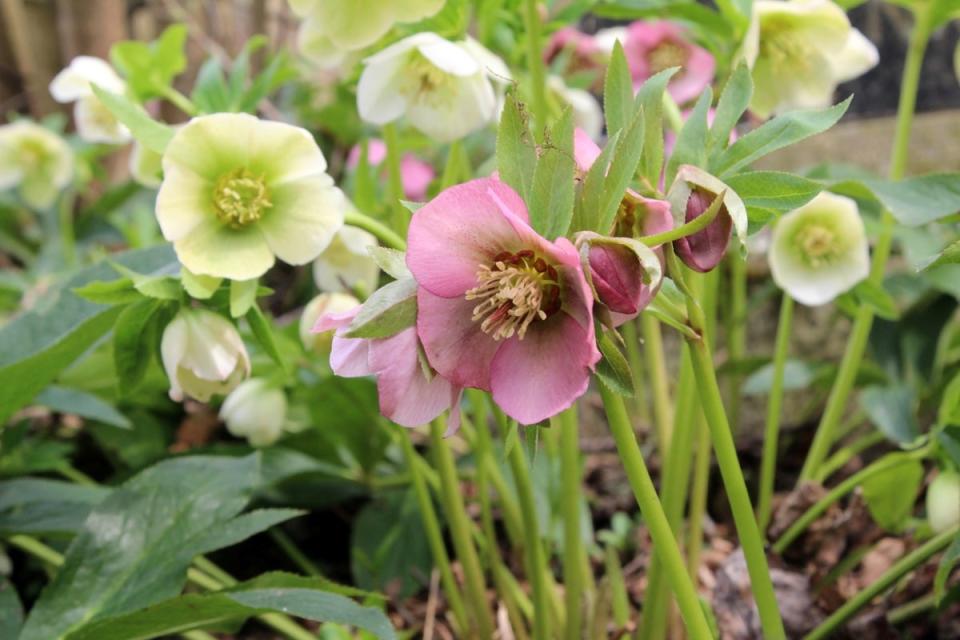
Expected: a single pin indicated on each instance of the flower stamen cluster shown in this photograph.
(515, 291)
(240, 198)
(818, 244)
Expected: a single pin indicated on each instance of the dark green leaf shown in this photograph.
(796, 375)
(618, 91)
(920, 200)
(691, 147)
(134, 338)
(949, 560)
(81, 404)
(587, 210)
(774, 190)
(551, 199)
(732, 104)
(48, 507)
(650, 97)
(11, 611)
(614, 370)
(950, 255)
(891, 409)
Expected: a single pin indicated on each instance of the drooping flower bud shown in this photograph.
(346, 264)
(691, 195)
(255, 411)
(624, 272)
(323, 304)
(943, 501)
(202, 355)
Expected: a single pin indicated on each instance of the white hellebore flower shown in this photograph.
(587, 114)
(255, 410)
(320, 343)
(446, 90)
(36, 161)
(820, 250)
(203, 355)
(799, 51)
(238, 191)
(95, 123)
(347, 264)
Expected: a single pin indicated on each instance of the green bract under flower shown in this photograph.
(36, 161)
(239, 191)
(799, 51)
(820, 250)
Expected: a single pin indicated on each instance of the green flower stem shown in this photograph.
(843, 455)
(664, 543)
(902, 567)
(641, 405)
(880, 466)
(771, 435)
(431, 527)
(912, 609)
(658, 380)
(377, 228)
(571, 484)
(67, 234)
(736, 330)
(451, 176)
(459, 524)
(857, 343)
(401, 217)
(181, 101)
(279, 622)
(619, 600)
(293, 552)
(535, 557)
(538, 78)
(671, 111)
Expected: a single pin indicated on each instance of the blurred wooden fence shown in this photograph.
(40, 37)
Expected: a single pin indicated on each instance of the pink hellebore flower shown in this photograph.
(651, 47)
(500, 307)
(415, 174)
(583, 50)
(407, 396)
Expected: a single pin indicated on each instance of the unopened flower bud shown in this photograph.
(943, 501)
(255, 411)
(624, 272)
(203, 355)
(320, 343)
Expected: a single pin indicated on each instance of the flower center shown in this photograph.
(425, 82)
(240, 198)
(666, 55)
(781, 45)
(817, 243)
(516, 290)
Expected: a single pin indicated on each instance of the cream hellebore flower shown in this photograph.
(334, 28)
(95, 123)
(238, 191)
(336, 303)
(36, 161)
(203, 355)
(346, 263)
(799, 51)
(820, 250)
(445, 89)
(255, 410)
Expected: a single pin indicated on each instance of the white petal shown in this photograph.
(214, 249)
(379, 99)
(314, 43)
(450, 58)
(470, 106)
(73, 82)
(858, 56)
(606, 39)
(97, 124)
(494, 66)
(305, 216)
(184, 202)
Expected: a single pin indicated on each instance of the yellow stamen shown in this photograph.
(240, 198)
(514, 292)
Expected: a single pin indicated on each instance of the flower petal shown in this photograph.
(303, 220)
(214, 249)
(858, 56)
(379, 99)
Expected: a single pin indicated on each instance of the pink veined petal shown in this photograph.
(460, 229)
(455, 345)
(585, 150)
(543, 374)
(406, 396)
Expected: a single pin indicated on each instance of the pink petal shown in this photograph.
(376, 153)
(349, 357)
(697, 74)
(417, 176)
(656, 216)
(460, 229)
(406, 396)
(585, 150)
(617, 277)
(546, 372)
(455, 345)
(704, 250)
(331, 321)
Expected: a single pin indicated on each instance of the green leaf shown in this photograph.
(199, 286)
(263, 332)
(160, 287)
(950, 559)
(516, 151)
(83, 404)
(137, 544)
(135, 337)
(119, 291)
(618, 91)
(796, 375)
(391, 261)
(950, 255)
(587, 209)
(626, 157)
(691, 147)
(891, 409)
(650, 98)
(551, 200)
(731, 106)
(390, 310)
(307, 598)
(920, 200)
(39, 506)
(210, 91)
(948, 438)
(774, 190)
(62, 326)
(11, 610)
(21, 455)
(614, 370)
(870, 293)
(151, 134)
(781, 131)
(149, 68)
(243, 295)
(890, 495)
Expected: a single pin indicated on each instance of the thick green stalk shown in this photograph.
(619, 600)
(460, 530)
(641, 404)
(736, 331)
(771, 434)
(571, 483)
(68, 236)
(535, 557)
(902, 567)
(664, 544)
(431, 527)
(401, 217)
(538, 77)
(385, 234)
(852, 358)
(658, 380)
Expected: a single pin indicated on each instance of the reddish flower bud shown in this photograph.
(625, 273)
